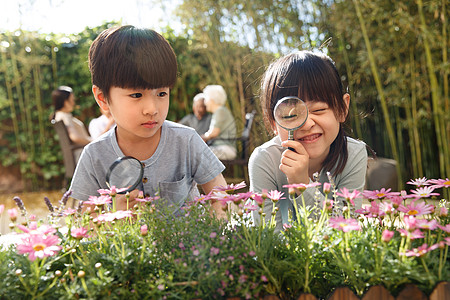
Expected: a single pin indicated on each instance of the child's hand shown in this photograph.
(295, 163)
(121, 200)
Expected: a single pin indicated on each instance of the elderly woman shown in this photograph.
(222, 125)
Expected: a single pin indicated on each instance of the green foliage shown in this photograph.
(153, 252)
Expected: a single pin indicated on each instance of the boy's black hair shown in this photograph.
(128, 57)
(311, 77)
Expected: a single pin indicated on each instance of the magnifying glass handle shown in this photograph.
(291, 138)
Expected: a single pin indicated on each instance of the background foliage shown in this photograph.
(392, 56)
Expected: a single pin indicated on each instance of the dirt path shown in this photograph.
(34, 204)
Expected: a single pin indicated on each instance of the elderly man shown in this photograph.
(200, 119)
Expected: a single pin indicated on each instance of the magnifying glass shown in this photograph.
(290, 113)
(125, 172)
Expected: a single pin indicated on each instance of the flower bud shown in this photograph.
(98, 265)
(326, 188)
(81, 274)
(144, 230)
(19, 272)
(58, 273)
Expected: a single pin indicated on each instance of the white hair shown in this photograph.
(199, 96)
(215, 93)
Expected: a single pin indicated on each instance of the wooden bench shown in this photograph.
(68, 150)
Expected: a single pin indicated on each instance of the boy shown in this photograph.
(132, 73)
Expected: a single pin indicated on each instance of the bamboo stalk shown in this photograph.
(13, 111)
(352, 94)
(435, 95)
(416, 137)
(379, 87)
(37, 94)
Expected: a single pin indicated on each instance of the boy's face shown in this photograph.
(138, 113)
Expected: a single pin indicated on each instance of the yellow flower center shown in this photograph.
(342, 224)
(38, 247)
(447, 182)
(413, 212)
(380, 195)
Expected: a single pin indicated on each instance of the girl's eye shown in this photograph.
(136, 95)
(162, 94)
(319, 110)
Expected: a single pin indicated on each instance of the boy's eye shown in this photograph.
(136, 95)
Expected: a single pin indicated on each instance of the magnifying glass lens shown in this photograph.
(291, 113)
(125, 172)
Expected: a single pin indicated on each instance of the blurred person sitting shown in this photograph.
(64, 103)
(101, 124)
(199, 119)
(223, 125)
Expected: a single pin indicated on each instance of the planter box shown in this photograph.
(410, 292)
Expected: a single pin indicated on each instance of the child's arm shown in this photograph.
(216, 207)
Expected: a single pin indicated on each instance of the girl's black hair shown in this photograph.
(59, 96)
(311, 77)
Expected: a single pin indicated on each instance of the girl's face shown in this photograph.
(319, 131)
(138, 113)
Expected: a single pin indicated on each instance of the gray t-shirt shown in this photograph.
(181, 161)
(223, 119)
(264, 173)
(201, 126)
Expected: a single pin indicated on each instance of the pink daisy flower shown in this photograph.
(387, 207)
(39, 246)
(244, 196)
(99, 201)
(275, 195)
(13, 214)
(416, 234)
(349, 196)
(2, 208)
(396, 201)
(445, 228)
(379, 194)
(34, 229)
(416, 209)
(427, 225)
(372, 211)
(419, 182)
(231, 188)
(147, 199)
(387, 235)
(111, 192)
(259, 199)
(111, 216)
(301, 187)
(224, 199)
(343, 224)
(440, 183)
(69, 212)
(423, 192)
(79, 233)
(249, 207)
(204, 198)
(418, 252)
(410, 222)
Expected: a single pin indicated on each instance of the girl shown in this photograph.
(320, 145)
